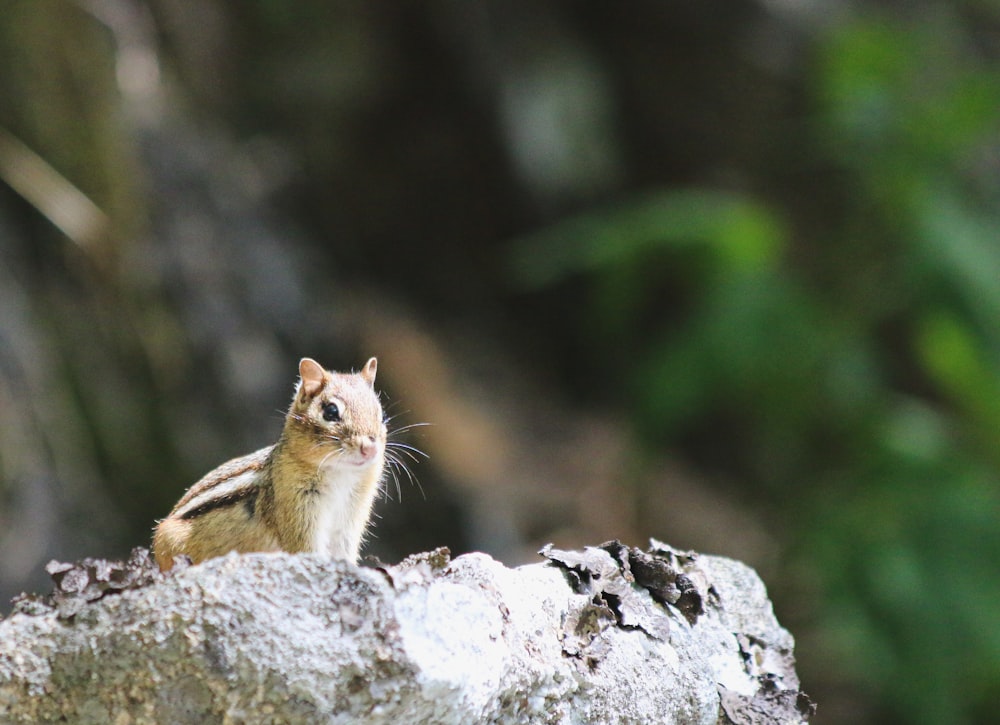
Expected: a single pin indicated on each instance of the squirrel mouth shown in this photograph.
(354, 459)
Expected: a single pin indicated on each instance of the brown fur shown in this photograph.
(297, 495)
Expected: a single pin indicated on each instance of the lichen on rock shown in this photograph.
(609, 633)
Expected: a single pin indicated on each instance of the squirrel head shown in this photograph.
(341, 411)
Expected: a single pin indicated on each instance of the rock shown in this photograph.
(607, 634)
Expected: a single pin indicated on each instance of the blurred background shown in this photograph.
(722, 273)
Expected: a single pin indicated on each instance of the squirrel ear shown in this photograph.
(368, 371)
(312, 375)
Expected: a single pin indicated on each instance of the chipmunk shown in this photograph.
(312, 491)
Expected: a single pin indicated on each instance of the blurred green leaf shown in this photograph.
(738, 232)
(956, 359)
(961, 245)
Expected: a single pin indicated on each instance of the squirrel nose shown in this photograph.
(368, 446)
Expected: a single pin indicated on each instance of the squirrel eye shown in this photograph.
(331, 412)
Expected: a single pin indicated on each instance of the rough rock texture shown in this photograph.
(607, 634)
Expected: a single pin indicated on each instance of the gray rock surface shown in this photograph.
(607, 634)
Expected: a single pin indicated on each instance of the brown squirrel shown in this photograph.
(312, 491)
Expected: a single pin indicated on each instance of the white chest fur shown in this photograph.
(340, 511)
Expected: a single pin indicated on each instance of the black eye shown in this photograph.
(331, 412)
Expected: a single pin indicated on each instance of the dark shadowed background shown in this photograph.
(722, 273)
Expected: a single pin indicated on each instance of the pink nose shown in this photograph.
(368, 447)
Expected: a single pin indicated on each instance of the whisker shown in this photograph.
(398, 464)
(400, 444)
(391, 469)
(409, 455)
(396, 453)
(395, 479)
(410, 426)
(412, 452)
(389, 406)
(323, 460)
(326, 440)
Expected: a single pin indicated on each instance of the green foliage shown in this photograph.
(866, 398)
(739, 234)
